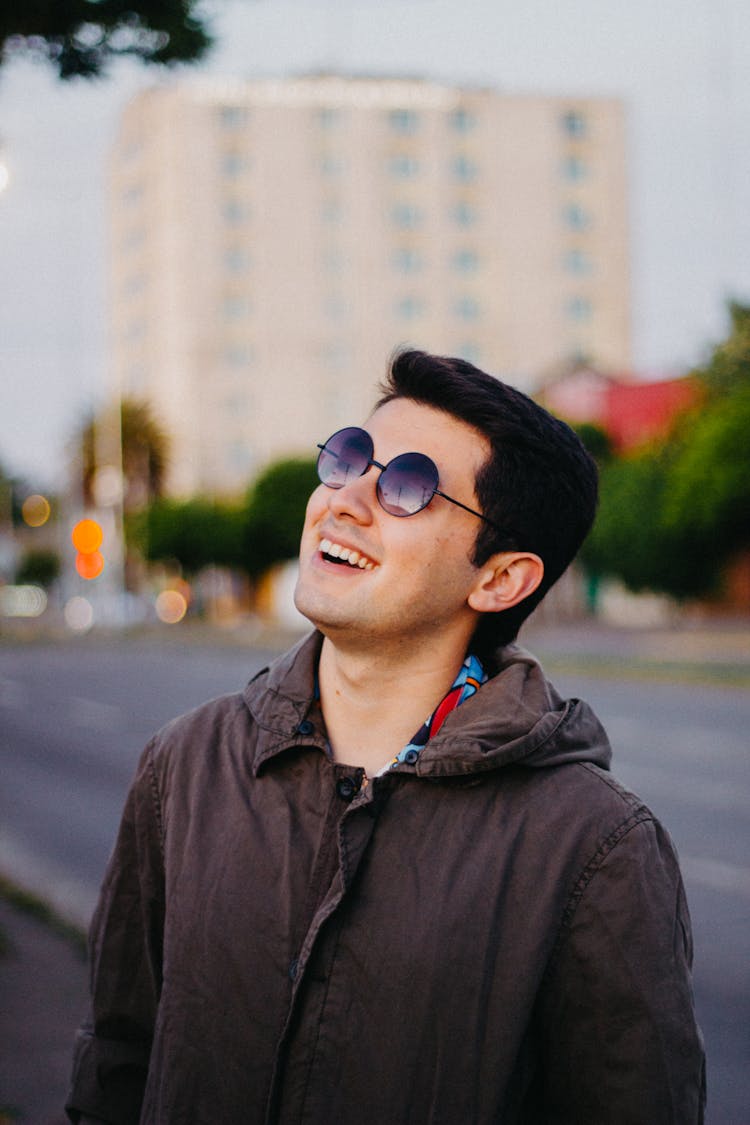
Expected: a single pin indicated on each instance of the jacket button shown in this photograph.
(411, 756)
(346, 788)
(305, 727)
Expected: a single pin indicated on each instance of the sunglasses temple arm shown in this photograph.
(466, 508)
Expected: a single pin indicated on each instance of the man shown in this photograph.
(322, 908)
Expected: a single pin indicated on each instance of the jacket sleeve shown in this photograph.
(125, 941)
(621, 1043)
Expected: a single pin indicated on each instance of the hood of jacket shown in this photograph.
(516, 718)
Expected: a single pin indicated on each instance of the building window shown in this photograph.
(236, 259)
(464, 214)
(234, 164)
(238, 355)
(471, 352)
(574, 124)
(331, 211)
(233, 116)
(335, 307)
(407, 260)
(403, 166)
(577, 262)
(464, 168)
(409, 308)
(328, 117)
(331, 164)
(574, 169)
(236, 307)
(576, 217)
(333, 260)
(235, 212)
(404, 121)
(407, 215)
(465, 261)
(462, 120)
(466, 308)
(579, 309)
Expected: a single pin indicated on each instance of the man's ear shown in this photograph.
(505, 580)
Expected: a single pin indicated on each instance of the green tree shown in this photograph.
(727, 368)
(39, 567)
(708, 485)
(632, 539)
(81, 37)
(195, 533)
(596, 439)
(276, 512)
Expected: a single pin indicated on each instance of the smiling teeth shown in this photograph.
(346, 554)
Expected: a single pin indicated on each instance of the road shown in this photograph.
(74, 717)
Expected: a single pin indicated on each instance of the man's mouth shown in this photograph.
(347, 556)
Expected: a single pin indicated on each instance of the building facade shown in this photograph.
(274, 241)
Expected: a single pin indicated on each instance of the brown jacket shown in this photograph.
(498, 934)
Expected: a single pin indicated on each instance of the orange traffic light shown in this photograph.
(89, 565)
(87, 536)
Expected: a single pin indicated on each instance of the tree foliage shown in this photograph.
(276, 512)
(194, 533)
(143, 446)
(38, 566)
(672, 517)
(250, 536)
(81, 37)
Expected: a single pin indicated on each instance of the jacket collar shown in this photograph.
(281, 699)
(516, 717)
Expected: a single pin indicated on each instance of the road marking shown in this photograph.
(716, 874)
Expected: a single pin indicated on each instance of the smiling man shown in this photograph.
(394, 882)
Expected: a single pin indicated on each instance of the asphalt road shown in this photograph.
(74, 717)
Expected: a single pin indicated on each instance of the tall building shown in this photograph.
(273, 241)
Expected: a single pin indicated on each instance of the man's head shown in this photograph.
(538, 487)
(392, 558)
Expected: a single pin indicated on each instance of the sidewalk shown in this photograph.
(43, 995)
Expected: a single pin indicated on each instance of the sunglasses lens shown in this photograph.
(344, 457)
(407, 484)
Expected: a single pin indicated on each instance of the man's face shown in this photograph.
(417, 572)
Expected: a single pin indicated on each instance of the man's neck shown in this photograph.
(373, 704)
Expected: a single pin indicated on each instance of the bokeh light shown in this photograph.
(90, 564)
(87, 536)
(79, 614)
(35, 510)
(171, 606)
(22, 601)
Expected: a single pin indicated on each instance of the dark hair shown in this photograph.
(539, 484)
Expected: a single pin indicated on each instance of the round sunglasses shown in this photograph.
(406, 484)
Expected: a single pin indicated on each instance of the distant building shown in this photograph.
(273, 241)
(630, 411)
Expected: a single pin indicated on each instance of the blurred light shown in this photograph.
(35, 510)
(89, 564)
(87, 537)
(79, 614)
(22, 601)
(171, 606)
(4, 176)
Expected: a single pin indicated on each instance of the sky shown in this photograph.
(681, 66)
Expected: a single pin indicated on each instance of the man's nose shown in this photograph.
(357, 498)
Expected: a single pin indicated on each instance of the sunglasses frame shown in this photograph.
(371, 462)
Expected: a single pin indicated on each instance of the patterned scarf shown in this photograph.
(470, 678)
